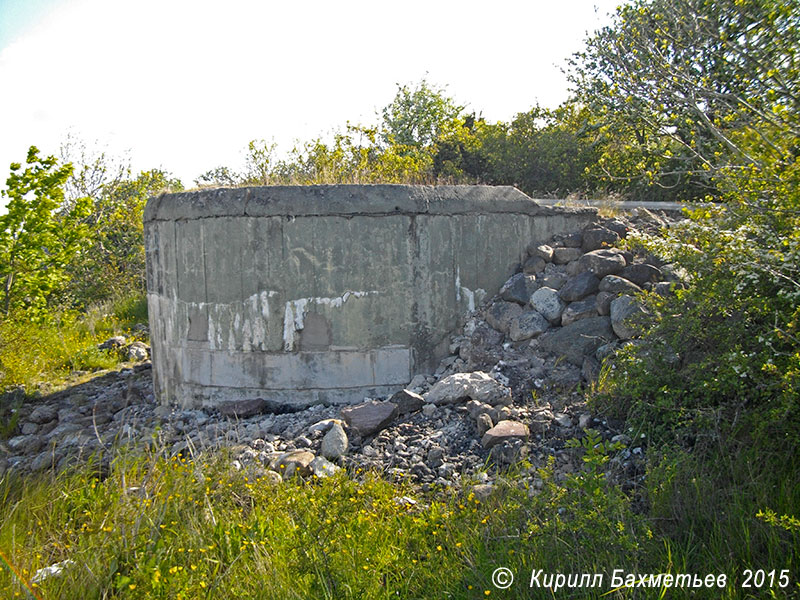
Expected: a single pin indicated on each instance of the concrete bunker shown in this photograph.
(309, 294)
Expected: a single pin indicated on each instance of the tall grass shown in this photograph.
(154, 526)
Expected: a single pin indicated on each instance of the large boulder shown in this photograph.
(624, 312)
(606, 261)
(578, 339)
(548, 303)
(519, 288)
(468, 386)
(369, 417)
(562, 256)
(501, 313)
(582, 309)
(527, 325)
(579, 287)
(618, 285)
(641, 273)
(597, 236)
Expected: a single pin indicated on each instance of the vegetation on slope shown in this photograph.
(674, 100)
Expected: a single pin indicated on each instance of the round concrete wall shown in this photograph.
(310, 294)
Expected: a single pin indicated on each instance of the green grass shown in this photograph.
(45, 353)
(148, 526)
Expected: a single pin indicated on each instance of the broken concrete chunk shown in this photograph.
(475, 386)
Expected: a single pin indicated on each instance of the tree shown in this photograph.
(418, 116)
(697, 88)
(37, 242)
(115, 264)
(541, 151)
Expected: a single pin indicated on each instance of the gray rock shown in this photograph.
(606, 350)
(624, 311)
(242, 409)
(553, 279)
(43, 414)
(296, 462)
(25, 444)
(482, 491)
(407, 401)
(584, 420)
(476, 408)
(641, 273)
(429, 410)
(548, 303)
(542, 251)
(578, 339)
(563, 420)
(503, 431)
(603, 303)
(579, 286)
(42, 461)
(569, 240)
(617, 284)
(590, 370)
(534, 265)
(118, 341)
(509, 452)
(475, 386)
(324, 426)
(541, 418)
(322, 468)
(582, 309)
(29, 428)
(335, 442)
(663, 288)
(501, 313)
(483, 423)
(527, 325)
(596, 237)
(500, 413)
(519, 288)
(617, 227)
(369, 417)
(603, 262)
(562, 256)
(435, 457)
(137, 351)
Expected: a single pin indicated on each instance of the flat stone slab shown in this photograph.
(505, 430)
(369, 417)
(242, 408)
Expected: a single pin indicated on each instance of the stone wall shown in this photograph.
(308, 294)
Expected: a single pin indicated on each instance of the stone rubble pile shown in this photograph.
(508, 391)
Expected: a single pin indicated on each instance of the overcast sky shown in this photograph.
(185, 84)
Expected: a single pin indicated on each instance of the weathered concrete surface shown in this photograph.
(324, 293)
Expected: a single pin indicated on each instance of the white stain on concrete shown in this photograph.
(295, 312)
(472, 296)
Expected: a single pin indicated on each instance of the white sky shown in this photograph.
(185, 84)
